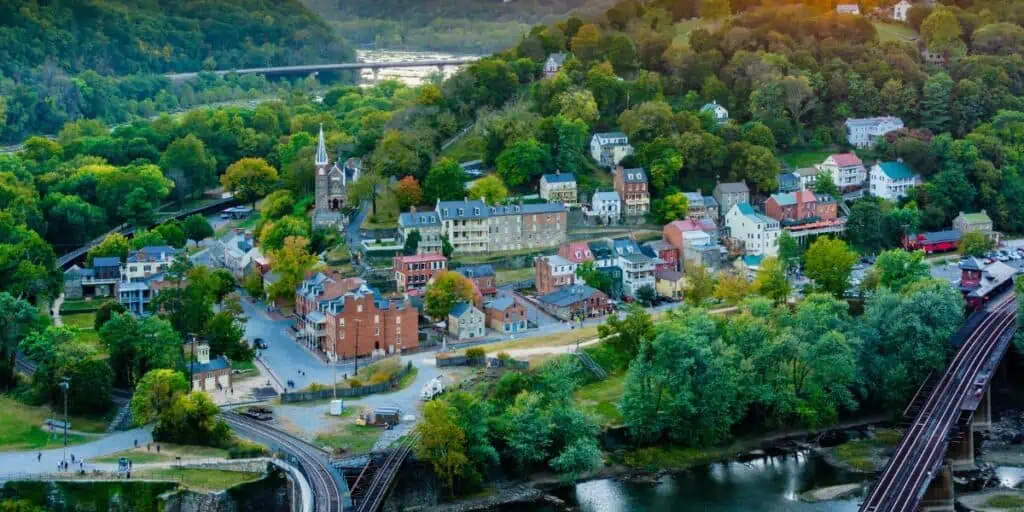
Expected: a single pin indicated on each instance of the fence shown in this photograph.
(490, 362)
(327, 394)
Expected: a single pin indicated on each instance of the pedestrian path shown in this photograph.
(46, 461)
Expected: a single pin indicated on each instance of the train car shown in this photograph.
(933, 242)
(259, 413)
(980, 283)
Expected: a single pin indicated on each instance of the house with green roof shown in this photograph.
(891, 180)
(968, 222)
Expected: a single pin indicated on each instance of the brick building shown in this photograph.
(666, 253)
(505, 315)
(363, 322)
(482, 276)
(801, 206)
(414, 272)
(553, 272)
(576, 252)
(575, 302)
(209, 374)
(631, 184)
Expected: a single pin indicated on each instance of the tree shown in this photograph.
(113, 245)
(824, 185)
(578, 105)
(442, 442)
(732, 288)
(273, 234)
(173, 233)
(829, 262)
(975, 243)
(571, 144)
(137, 208)
(700, 284)
(754, 164)
(155, 394)
(446, 247)
(935, 103)
(147, 238)
(408, 193)
(59, 354)
(106, 311)
(594, 277)
(445, 182)
(291, 262)
(586, 44)
(862, 226)
(249, 179)
(365, 189)
(412, 243)
(253, 285)
(528, 430)
(277, 204)
(771, 281)
(522, 161)
(998, 39)
(898, 269)
(646, 295)
(490, 189)
(714, 9)
(626, 335)
(17, 319)
(137, 346)
(186, 157)
(789, 251)
(941, 32)
(197, 228)
(799, 100)
(192, 419)
(673, 207)
(224, 333)
(448, 289)
(402, 153)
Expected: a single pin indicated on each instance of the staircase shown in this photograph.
(590, 364)
(123, 420)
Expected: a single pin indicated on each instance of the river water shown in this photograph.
(766, 485)
(409, 76)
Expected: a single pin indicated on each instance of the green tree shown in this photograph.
(197, 228)
(366, 189)
(673, 207)
(249, 179)
(571, 145)
(975, 243)
(173, 233)
(754, 164)
(446, 247)
(898, 269)
(273, 234)
(113, 245)
(824, 185)
(594, 277)
(862, 226)
(578, 105)
(771, 281)
(155, 394)
(147, 238)
(490, 189)
(527, 434)
(586, 44)
(935, 103)
(523, 161)
(137, 346)
(17, 319)
(789, 251)
(447, 290)
(442, 442)
(829, 262)
(625, 335)
(277, 204)
(412, 243)
(445, 182)
(138, 208)
(192, 419)
(941, 32)
(700, 284)
(291, 262)
(186, 158)
(732, 288)
(253, 285)
(106, 311)
(224, 333)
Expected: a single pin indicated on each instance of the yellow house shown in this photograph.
(669, 284)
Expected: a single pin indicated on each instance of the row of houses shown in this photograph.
(888, 180)
(134, 282)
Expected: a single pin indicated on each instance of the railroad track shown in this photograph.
(23, 365)
(312, 461)
(923, 447)
(385, 476)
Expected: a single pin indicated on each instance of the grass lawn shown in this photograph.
(387, 211)
(21, 427)
(553, 340)
(601, 399)
(351, 438)
(862, 453)
(806, 158)
(1006, 501)
(74, 306)
(670, 457)
(167, 454)
(469, 147)
(201, 479)
(893, 32)
(513, 275)
(79, 320)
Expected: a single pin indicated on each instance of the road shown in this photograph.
(26, 462)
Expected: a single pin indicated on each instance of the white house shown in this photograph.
(718, 112)
(606, 205)
(637, 267)
(900, 10)
(146, 262)
(466, 321)
(759, 233)
(808, 176)
(846, 170)
(559, 188)
(554, 64)
(608, 149)
(891, 180)
(864, 132)
(853, 9)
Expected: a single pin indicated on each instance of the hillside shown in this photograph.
(147, 36)
(469, 26)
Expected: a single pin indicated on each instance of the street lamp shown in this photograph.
(65, 383)
(192, 364)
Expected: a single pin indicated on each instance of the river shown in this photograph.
(409, 76)
(771, 484)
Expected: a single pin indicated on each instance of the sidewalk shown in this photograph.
(29, 462)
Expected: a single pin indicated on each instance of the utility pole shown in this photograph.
(358, 325)
(65, 383)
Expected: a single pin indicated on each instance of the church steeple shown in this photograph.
(321, 150)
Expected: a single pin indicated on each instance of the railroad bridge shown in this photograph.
(945, 413)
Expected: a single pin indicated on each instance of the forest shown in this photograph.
(103, 60)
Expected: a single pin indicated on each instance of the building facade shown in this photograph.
(801, 206)
(210, 375)
(865, 132)
(968, 222)
(669, 284)
(846, 169)
(552, 273)
(466, 321)
(331, 185)
(729, 195)
(473, 227)
(428, 224)
(637, 267)
(505, 315)
(608, 149)
(607, 206)
(559, 188)
(483, 276)
(146, 262)
(718, 112)
(553, 64)
(891, 180)
(575, 302)
(631, 184)
(360, 322)
(758, 233)
(666, 253)
(414, 272)
(900, 10)
(576, 252)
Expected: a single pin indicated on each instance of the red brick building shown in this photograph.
(552, 273)
(482, 276)
(505, 315)
(666, 252)
(673, 231)
(631, 184)
(321, 286)
(414, 272)
(800, 206)
(576, 252)
(363, 323)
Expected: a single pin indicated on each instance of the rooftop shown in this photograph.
(416, 219)
(732, 187)
(976, 218)
(568, 295)
(559, 177)
(501, 304)
(872, 121)
(637, 175)
(896, 170)
(606, 196)
(465, 209)
(419, 258)
(846, 159)
(219, 363)
(668, 275)
(476, 271)
(106, 261)
(461, 309)
(556, 260)
(557, 58)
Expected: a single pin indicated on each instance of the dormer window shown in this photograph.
(476, 211)
(462, 211)
(445, 212)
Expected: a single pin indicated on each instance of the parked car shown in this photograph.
(260, 343)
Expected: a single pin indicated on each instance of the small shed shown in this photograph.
(386, 416)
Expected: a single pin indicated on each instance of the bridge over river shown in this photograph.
(307, 69)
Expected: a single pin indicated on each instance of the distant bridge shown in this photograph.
(316, 68)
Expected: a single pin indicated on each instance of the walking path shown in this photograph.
(55, 310)
(30, 462)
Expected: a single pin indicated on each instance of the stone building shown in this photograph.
(729, 195)
(559, 188)
(331, 186)
(428, 224)
(466, 321)
(473, 227)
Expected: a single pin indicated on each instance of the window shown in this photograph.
(376, 331)
(359, 308)
(376, 319)
(462, 211)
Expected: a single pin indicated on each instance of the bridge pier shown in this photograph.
(940, 496)
(961, 449)
(376, 74)
(983, 416)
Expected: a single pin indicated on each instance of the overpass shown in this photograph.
(307, 69)
(919, 474)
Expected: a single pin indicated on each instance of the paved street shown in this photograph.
(25, 462)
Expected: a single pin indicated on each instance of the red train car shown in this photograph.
(980, 283)
(935, 241)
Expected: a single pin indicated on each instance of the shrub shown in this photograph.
(243, 449)
(379, 377)
(354, 383)
(504, 357)
(316, 386)
(476, 353)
